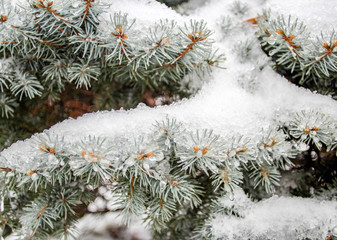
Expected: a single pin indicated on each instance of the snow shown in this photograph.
(15, 17)
(241, 98)
(151, 12)
(224, 104)
(275, 218)
(322, 20)
(108, 226)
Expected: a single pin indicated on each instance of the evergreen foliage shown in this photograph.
(47, 47)
(166, 175)
(171, 177)
(305, 59)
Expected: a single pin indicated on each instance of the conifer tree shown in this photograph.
(172, 173)
(51, 47)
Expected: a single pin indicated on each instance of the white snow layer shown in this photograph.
(277, 218)
(228, 103)
(318, 16)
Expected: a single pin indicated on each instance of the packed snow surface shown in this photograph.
(275, 218)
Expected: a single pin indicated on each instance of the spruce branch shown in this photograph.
(274, 149)
(266, 175)
(306, 59)
(5, 80)
(119, 47)
(160, 212)
(26, 85)
(195, 35)
(38, 215)
(227, 178)
(169, 175)
(50, 19)
(82, 73)
(7, 106)
(54, 31)
(321, 61)
(88, 45)
(239, 8)
(55, 73)
(312, 127)
(200, 152)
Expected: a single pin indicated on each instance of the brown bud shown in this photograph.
(43, 148)
(252, 20)
(140, 157)
(326, 46)
(190, 36)
(174, 184)
(307, 129)
(149, 154)
(279, 31)
(291, 37)
(119, 29)
(315, 129)
(264, 173)
(205, 150)
(39, 5)
(3, 19)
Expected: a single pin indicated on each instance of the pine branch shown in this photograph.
(155, 177)
(308, 60)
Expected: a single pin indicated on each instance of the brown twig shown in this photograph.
(121, 36)
(289, 40)
(87, 8)
(194, 40)
(7, 43)
(41, 212)
(328, 51)
(271, 144)
(49, 9)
